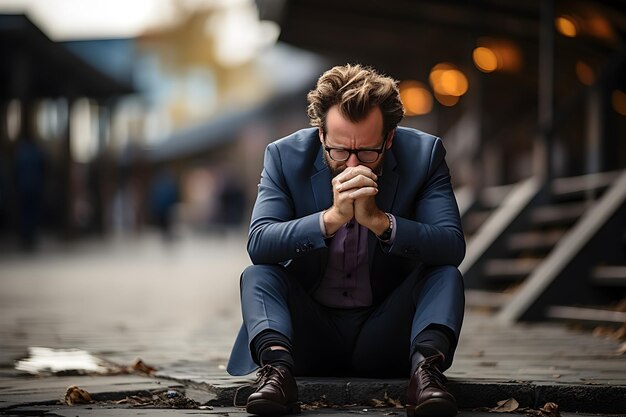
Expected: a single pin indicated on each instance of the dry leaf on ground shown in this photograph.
(505, 406)
(387, 401)
(550, 410)
(314, 405)
(142, 367)
(76, 395)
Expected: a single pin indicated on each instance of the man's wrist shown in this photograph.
(385, 233)
(332, 222)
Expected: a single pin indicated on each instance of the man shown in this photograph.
(355, 239)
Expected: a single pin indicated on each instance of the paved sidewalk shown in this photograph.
(176, 307)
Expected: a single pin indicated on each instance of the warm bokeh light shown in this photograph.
(584, 72)
(618, 99)
(446, 100)
(566, 26)
(599, 27)
(497, 55)
(485, 59)
(448, 80)
(416, 98)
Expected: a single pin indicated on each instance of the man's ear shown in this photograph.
(321, 135)
(390, 139)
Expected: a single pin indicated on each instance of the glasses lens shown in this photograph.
(367, 156)
(339, 154)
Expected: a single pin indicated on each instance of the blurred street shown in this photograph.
(125, 298)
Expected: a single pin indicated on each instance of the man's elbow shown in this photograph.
(254, 250)
(458, 251)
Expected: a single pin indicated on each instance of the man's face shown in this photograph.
(345, 134)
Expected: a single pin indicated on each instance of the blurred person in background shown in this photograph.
(30, 167)
(355, 240)
(163, 199)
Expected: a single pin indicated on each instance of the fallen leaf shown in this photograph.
(141, 366)
(76, 395)
(550, 410)
(377, 403)
(314, 405)
(387, 401)
(505, 406)
(622, 349)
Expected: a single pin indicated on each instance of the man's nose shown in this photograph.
(353, 161)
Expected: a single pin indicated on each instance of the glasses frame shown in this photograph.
(379, 151)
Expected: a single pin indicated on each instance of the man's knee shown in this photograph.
(444, 272)
(264, 276)
(445, 280)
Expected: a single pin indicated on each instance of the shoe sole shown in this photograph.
(270, 408)
(435, 407)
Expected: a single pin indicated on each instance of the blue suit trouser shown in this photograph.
(364, 341)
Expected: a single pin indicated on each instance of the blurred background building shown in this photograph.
(119, 115)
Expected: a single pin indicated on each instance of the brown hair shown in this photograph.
(356, 89)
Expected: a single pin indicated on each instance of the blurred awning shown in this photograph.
(35, 66)
(407, 37)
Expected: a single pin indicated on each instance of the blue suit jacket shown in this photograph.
(295, 187)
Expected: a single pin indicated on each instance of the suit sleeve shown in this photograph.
(275, 235)
(434, 236)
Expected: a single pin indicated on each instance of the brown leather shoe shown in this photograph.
(277, 393)
(427, 395)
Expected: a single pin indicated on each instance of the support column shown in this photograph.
(544, 140)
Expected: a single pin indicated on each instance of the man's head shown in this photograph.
(355, 108)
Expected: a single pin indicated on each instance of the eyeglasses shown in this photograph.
(367, 156)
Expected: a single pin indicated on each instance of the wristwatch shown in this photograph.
(386, 235)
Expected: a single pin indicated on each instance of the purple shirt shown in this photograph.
(346, 283)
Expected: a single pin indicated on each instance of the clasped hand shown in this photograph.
(354, 192)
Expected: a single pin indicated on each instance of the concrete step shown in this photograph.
(486, 299)
(580, 186)
(586, 314)
(534, 240)
(609, 276)
(510, 269)
(564, 214)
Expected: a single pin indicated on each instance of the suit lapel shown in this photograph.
(321, 183)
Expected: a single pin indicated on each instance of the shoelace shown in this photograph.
(265, 375)
(433, 375)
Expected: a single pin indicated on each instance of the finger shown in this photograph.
(363, 192)
(357, 182)
(352, 172)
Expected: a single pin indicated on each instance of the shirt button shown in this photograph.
(345, 293)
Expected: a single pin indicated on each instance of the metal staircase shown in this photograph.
(552, 251)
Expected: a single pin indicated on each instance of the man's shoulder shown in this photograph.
(412, 145)
(298, 151)
(300, 140)
(413, 137)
